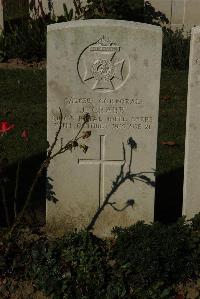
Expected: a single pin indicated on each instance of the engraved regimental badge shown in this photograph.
(103, 66)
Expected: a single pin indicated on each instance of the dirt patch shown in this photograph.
(13, 289)
(21, 64)
(190, 290)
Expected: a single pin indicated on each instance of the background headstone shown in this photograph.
(191, 200)
(192, 14)
(1, 18)
(177, 17)
(111, 70)
(181, 13)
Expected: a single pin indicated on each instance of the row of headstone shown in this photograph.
(180, 13)
(1, 18)
(110, 70)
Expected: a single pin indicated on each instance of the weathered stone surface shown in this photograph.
(111, 70)
(191, 201)
(1, 17)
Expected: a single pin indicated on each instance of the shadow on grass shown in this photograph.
(169, 196)
(28, 169)
(168, 199)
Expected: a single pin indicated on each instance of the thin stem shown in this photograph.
(5, 205)
(20, 215)
(130, 163)
(43, 166)
(57, 134)
(105, 203)
(120, 179)
(16, 190)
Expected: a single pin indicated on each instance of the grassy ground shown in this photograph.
(24, 93)
(172, 120)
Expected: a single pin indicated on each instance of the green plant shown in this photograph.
(151, 16)
(131, 10)
(5, 127)
(68, 15)
(2, 47)
(157, 253)
(143, 261)
(26, 38)
(120, 179)
(26, 41)
(74, 261)
(70, 145)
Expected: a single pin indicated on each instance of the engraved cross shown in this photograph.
(101, 163)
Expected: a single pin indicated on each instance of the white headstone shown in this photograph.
(1, 18)
(191, 200)
(111, 70)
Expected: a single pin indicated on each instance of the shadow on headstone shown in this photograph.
(168, 198)
(120, 179)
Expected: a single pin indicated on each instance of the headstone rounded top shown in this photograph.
(196, 29)
(103, 22)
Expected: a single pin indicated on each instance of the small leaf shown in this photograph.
(130, 202)
(86, 134)
(70, 16)
(65, 10)
(165, 98)
(69, 146)
(25, 135)
(47, 144)
(3, 164)
(111, 263)
(131, 142)
(84, 148)
(7, 114)
(86, 117)
(75, 144)
(169, 143)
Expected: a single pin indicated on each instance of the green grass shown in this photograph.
(172, 120)
(24, 93)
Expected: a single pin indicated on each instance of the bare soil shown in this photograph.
(13, 289)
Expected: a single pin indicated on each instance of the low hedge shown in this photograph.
(141, 261)
(26, 38)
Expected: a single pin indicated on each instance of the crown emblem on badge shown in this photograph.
(104, 42)
(104, 45)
